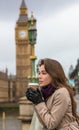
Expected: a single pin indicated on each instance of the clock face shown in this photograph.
(23, 34)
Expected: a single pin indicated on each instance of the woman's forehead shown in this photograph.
(42, 67)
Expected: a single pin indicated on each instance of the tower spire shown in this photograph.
(23, 5)
(23, 17)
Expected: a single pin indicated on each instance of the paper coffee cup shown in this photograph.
(33, 85)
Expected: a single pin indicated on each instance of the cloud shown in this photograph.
(58, 36)
(57, 29)
(7, 49)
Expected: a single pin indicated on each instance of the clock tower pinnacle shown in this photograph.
(23, 50)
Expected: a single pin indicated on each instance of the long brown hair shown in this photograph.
(55, 70)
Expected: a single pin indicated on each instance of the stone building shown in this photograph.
(7, 87)
(3, 86)
(74, 75)
(13, 87)
(23, 50)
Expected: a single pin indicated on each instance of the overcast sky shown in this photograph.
(57, 29)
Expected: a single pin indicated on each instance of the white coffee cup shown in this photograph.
(33, 85)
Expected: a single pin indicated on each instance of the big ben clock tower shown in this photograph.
(23, 50)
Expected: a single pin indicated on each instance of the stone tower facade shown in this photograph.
(23, 51)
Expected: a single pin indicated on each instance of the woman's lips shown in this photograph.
(40, 82)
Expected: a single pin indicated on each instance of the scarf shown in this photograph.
(48, 91)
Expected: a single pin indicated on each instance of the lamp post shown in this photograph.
(32, 41)
(3, 119)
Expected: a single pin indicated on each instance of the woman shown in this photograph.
(54, 103)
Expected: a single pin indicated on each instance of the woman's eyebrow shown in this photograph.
(43, 71)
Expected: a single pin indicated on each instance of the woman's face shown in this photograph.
(44, 77)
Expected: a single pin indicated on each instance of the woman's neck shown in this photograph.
(48, 90)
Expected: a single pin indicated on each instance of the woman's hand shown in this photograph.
(34, 95)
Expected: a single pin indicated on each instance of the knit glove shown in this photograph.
(34, 96)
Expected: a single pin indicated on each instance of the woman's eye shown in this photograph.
(44, 73)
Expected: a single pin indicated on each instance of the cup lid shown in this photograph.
(34, 84)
